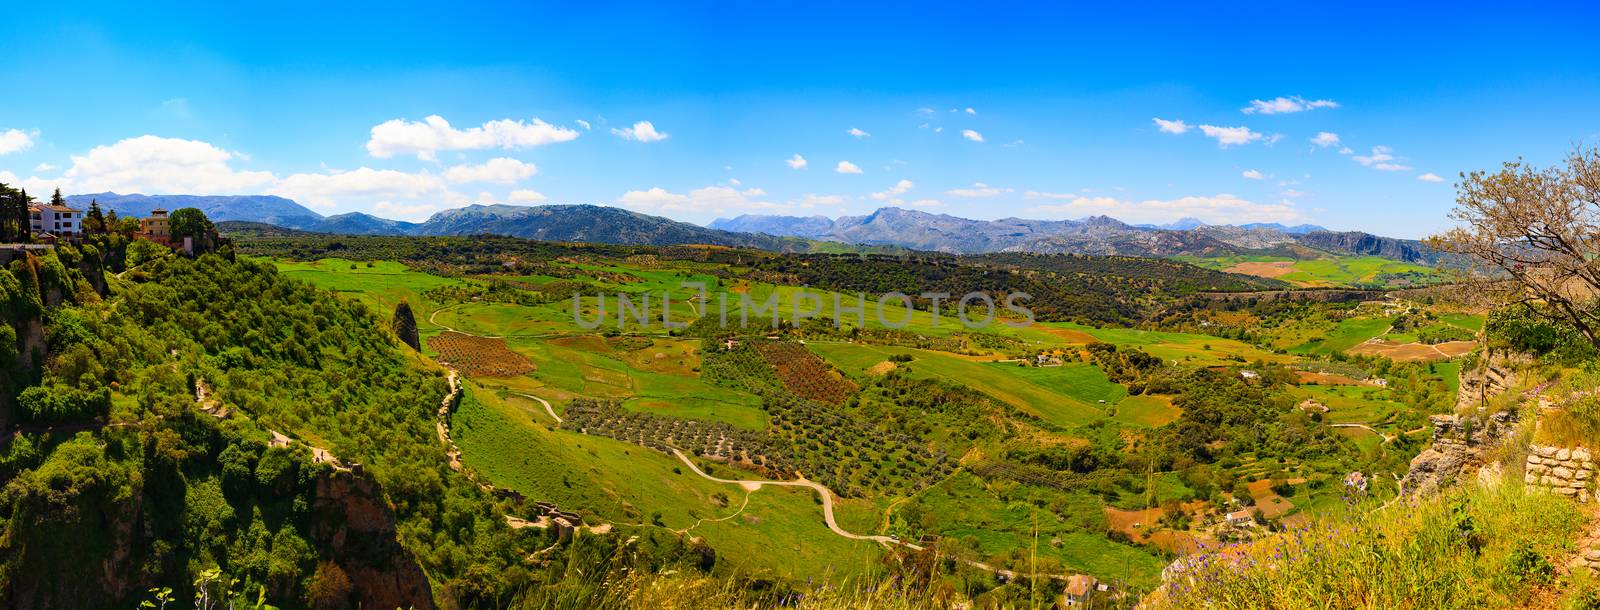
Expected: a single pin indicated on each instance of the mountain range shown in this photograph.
(1100, 235)
(888, 227)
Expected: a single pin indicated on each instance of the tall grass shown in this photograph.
(1481, 547)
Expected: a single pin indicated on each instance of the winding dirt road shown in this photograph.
(827, 500)
(546, 403)
(827, 516)
(1386, 438)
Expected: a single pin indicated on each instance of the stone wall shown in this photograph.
(1564, 471)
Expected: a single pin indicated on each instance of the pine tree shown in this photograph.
(95, 221)
(405, 326)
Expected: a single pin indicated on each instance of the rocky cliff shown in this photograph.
(355, 524)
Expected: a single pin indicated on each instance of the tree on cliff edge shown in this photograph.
(1539, 228)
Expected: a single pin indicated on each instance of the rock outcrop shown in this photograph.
(355, 524)
(1494, 374)
(1459, 446)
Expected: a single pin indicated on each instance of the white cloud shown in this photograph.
(1292, 193)
(1382, 158)
(1430, 177)
(412, 211)
(44, 167)
(925, 203)
(642, 131)
(971, 111)
(1173, 126)
(656, 198)
(16, 140)
(812, 200)
(325, 190)
(899, 188)
(156, 165)
(714, 199)
(978, 190)
(503, 170)
(796, 162)
(1253, 174)
(857, 132)
(1325, 139)
(35, 185)
(1286, 105)
(972, 135)
(427, 137)
(525, 196)
(1228, 136)
(1345, 150)
(846, 167)
(584, 124)
(1219, 209)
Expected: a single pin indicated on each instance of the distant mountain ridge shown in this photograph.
(576, 223)
(888, 227)
(1094, 235)
(269, 209)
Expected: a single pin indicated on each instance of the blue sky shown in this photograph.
(544, 104)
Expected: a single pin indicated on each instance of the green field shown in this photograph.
(381, 284)
(973, 514)
(611, 481)
(1348, 333)
(584, 366)
(1055, 394)
(1185, 348)
(1325, 270)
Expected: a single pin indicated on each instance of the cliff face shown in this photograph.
(1460, 444)
(1358, 243)
(356, 526)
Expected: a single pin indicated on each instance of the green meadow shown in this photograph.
(1043, 392)
(513, 445)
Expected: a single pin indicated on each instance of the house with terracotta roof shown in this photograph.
(1079, 588)
(156, 227)
(57, 220)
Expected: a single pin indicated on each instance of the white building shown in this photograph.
(55, 219)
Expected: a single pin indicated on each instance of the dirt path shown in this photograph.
(827, 516)
(827, 500)
(546, 403)
(1386, 438)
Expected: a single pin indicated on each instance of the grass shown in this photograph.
(510, 443)
(1187, 348)
(1469, 321)
(1326, 270)
(1147, 411)
(671, 385)
(1348, 333)
(1475, 548)
(382, 286)
(1020, 386)
(967, 513)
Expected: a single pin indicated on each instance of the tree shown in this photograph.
(1539, 229)
(95, 221)
(190, 222)
(56, 199)
(405, 326)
